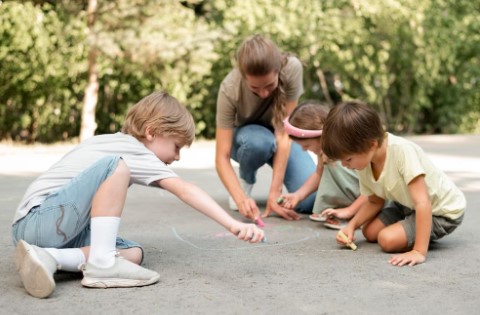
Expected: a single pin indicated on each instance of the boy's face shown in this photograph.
(167, 149)
(358, 161)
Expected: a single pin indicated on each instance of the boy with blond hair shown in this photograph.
(69, 217)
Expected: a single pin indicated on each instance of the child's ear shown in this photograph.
(149, 134)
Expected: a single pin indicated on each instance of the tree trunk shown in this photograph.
(91, 92)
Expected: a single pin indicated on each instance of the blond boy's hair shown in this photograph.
(163, 114)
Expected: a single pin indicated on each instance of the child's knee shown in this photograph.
(389, 242)
(370, 234)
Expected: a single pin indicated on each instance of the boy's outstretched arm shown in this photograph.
(423, 220)
(198, 199)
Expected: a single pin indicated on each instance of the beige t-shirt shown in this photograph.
(238, 106)
(405, 160)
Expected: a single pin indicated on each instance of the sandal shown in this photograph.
(334, 223)
(317, 217)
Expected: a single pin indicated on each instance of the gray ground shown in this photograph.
(301, 270)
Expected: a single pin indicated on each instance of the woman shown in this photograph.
(253, 100)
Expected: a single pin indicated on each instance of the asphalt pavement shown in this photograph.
(300, 270)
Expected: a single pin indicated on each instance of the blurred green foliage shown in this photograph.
(416, 61)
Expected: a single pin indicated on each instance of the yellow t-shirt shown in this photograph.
(404, 161)
(238, 106)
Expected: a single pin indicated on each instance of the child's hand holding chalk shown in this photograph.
(346, 240)
(248, 232)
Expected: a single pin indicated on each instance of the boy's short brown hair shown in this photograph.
(164, 114)
(350, 128)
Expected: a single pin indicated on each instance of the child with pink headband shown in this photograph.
(338, 194)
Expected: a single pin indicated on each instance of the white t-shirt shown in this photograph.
(404, 161)
(145, 168)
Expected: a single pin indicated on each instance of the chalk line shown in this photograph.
(263, 245)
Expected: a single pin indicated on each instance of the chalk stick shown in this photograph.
(259, 222)
(345, 238)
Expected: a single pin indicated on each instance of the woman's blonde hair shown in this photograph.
(163, 114)
(258, 56)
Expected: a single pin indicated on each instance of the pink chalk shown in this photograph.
(259, 222)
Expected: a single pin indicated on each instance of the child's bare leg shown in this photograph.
(107, 207)
(133, 254)
(393, 238)
(104, 269)
(371, 230)
(110, 197)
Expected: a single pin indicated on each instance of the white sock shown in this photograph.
(103, 240)
(68, 259)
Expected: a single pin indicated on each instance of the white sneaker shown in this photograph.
(247, 188)
(123, 274)
(36, 268)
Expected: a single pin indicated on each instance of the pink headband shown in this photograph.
(300, 133)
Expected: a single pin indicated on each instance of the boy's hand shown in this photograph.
(247, 232)
(349, 232)
(410, 258)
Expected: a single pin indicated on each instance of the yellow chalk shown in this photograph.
(345, 238)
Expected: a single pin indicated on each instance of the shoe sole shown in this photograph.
(37, 280)
(334, 226)
(104, 283)
(318, 218)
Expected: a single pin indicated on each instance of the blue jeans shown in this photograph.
(254, 146)
(63, 219)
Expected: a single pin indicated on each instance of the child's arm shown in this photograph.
(201, 201)
(347, 212)
(423, 221)
(290, 201)
(369, 209)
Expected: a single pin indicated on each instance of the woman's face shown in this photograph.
(264, 85)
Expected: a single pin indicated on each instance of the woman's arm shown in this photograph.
(280, 161)
(246, 205)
